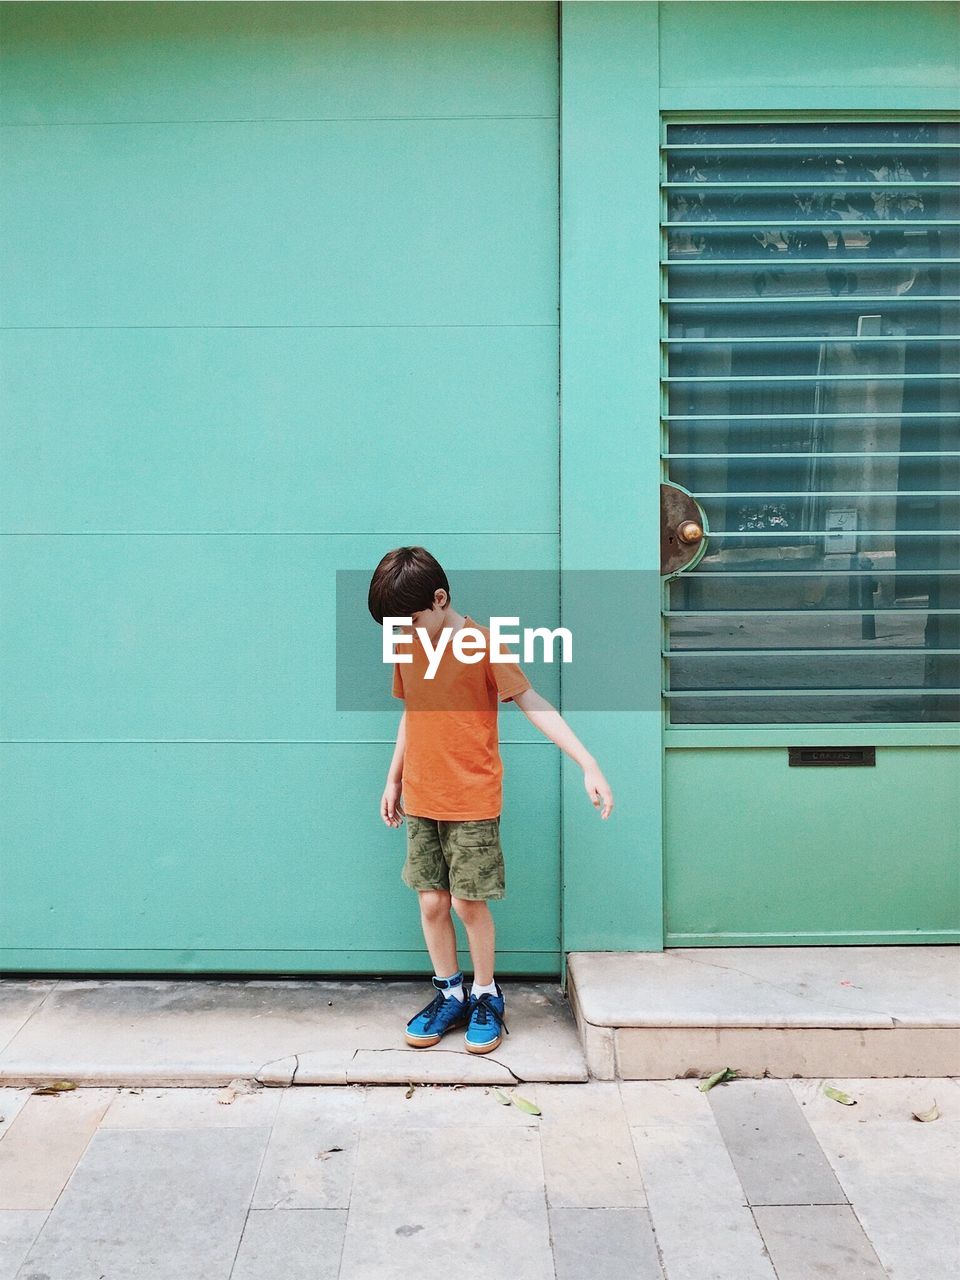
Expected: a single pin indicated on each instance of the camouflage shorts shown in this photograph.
(463, 857)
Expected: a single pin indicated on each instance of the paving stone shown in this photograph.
(902, 1177)
(470, 1202)
(301, 1168)
(190, 1109)
(704, 1227)
(12, 1102)
(297, 1244)
(18, 1230)
(588, 1155)
(817, 1240)
(676, 1104)
(423, 1066)
(777, 1158)
(604, 1244)
(41, 1148)
(464, 1107)
(19, 1000)
(163, 1204)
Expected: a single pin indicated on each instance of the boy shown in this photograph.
(447, 764)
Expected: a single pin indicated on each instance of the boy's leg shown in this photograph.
(425, 870)
(481, 935)
(476, 875)
(438, 931)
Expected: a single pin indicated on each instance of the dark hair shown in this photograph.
(404, 583)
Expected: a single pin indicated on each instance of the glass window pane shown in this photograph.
(812, 392)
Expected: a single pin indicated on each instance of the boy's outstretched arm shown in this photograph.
(545, 717)
(391, 808)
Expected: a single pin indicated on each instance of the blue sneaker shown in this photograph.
(486, 1020)
(436, 1018)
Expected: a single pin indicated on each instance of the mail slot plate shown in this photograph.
(833, 755)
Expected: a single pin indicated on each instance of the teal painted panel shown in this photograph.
(214, 637)
(145, 61)
(240, 430)
(377, 222)
(757, 850)
(279, 292)
(242, 847)
(741, 49)
(610, 370)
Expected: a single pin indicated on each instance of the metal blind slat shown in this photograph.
(828, 387)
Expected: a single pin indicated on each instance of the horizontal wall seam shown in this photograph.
(83, 124)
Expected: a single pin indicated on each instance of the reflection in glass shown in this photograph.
(812, 380)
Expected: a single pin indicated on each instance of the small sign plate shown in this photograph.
(832, 755)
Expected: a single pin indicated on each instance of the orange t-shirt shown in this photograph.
(452, 768)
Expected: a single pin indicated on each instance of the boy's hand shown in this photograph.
(598, 789)
(391, 810)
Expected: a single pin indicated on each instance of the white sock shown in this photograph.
(456, 992)
(477, 990)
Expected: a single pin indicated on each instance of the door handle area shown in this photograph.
(683, 530)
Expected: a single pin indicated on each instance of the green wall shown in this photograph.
(281, 287)
(279, 292)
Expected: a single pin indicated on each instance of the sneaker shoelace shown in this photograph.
(432, 1010)
(484, 1010)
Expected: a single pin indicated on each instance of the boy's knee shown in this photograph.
(469, 908)
(434, 903)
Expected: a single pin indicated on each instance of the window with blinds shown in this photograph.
(811, 348)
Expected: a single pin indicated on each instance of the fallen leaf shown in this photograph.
(501, 1097)
(839, 1096)
(925, 1116)
(718, 1077)
(322, 1155)
(233, 1089)
(524, 1104)
(56, 1086)
(409, 1092)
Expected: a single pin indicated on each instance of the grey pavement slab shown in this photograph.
(589, 1159)
(11, 1103)
(18, 1230)
(917, 986)
(138, 1108)
(208, 1031)
(163, 1204)
(902, 1177)
(470, 1202)
(310, 1158)
(704, 1227)
(817, 1240)
(671, 1104)
(42, 1146)
(297, 1244)
(777, 1158)
(604, 1244)
(211, 1184)
(461, 1107)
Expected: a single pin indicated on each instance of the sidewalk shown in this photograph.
(276, 1031)
(651, 1180)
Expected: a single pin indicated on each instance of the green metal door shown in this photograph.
(274, 277)
(760, 258)
(810, 328)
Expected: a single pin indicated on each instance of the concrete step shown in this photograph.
(774, 1011)
(280, 1031)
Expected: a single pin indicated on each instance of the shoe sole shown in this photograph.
(482, 1048)
(420, 1042)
